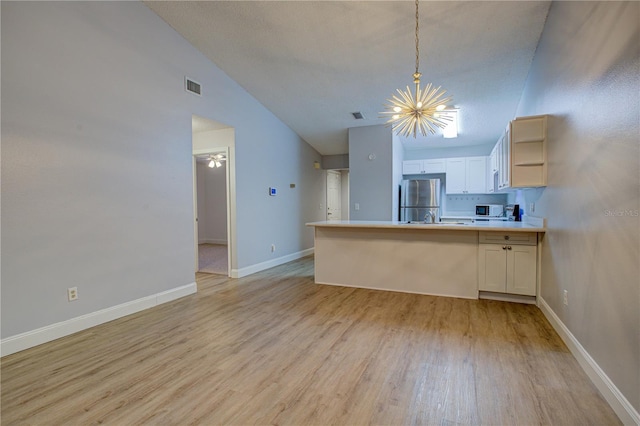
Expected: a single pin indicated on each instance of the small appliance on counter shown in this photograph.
(514, 213)
(490, 210)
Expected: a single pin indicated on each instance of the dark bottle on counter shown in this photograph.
(517, 214)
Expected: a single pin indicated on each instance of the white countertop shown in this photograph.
(497, 225)
(482, 218)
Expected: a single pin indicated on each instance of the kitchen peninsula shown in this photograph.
(471, 260)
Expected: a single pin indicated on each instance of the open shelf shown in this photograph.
(531, 140)
(529, 163)
(529, 152)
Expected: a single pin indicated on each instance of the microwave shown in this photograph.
(492, 210)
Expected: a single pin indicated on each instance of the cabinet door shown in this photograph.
(492, 268)
(437, 165)
(494, 159)
(521, 270)
(505, 167)
(413, 167)
(456, 176)
(476, 175)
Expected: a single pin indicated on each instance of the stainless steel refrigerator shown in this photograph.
(420, 200)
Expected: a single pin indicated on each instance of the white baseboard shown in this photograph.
(248, 270)
(622, 407)
(212, 241)
(55, 331)
(504, 297)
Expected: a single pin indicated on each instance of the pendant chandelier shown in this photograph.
(411, 112)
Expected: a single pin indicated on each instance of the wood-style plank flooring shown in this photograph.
(275, 348)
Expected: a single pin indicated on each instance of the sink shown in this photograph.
(437, 223)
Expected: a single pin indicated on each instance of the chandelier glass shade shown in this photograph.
(416, 111)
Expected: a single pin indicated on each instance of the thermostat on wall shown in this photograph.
(272, 191)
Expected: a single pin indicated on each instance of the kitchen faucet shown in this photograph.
(430, 217)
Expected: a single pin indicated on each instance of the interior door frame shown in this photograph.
(228, 166)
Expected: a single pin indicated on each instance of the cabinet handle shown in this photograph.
(509, 248)
(504, 247)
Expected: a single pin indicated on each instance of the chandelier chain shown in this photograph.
(417, 38)
(416, 111)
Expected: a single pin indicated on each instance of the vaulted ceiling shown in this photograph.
(313, 63)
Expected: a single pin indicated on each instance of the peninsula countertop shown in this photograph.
(528, 226)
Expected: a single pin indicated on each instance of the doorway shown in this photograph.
(211, 205)
(337, 194)
(213, 149)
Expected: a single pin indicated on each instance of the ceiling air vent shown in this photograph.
(192, 86)
(358, 115)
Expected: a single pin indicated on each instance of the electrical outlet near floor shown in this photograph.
(565, 297)
(273, 248)
(72, 293)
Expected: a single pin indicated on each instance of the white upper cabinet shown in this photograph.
(476, 176)
(437, 165)
(417, 167)
(493, 160)
(466, 175)
(456, 176)
(413, 167)
(504, 166)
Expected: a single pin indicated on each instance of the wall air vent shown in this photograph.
(192, 86)
(358, 115)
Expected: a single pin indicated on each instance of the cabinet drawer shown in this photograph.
(515, 238)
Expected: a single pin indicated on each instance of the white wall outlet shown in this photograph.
(565, 297)
(357, 206)
(273, 248)
(532, 207)
(72, 293)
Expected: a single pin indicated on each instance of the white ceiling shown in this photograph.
(312, 63)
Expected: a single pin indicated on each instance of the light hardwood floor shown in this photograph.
(274, 348)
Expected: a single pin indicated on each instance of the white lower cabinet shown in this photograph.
(509, 266)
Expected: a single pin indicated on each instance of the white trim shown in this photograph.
(212, 241)
(620, 405)
(395, 290)
(248, 270)
(506, 297)
(55, 331)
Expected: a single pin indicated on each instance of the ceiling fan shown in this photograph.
(215, 160)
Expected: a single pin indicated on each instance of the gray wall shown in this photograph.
(371, 182)
(97, 165)
(586, 75)
(453, 152)
(335, 161)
